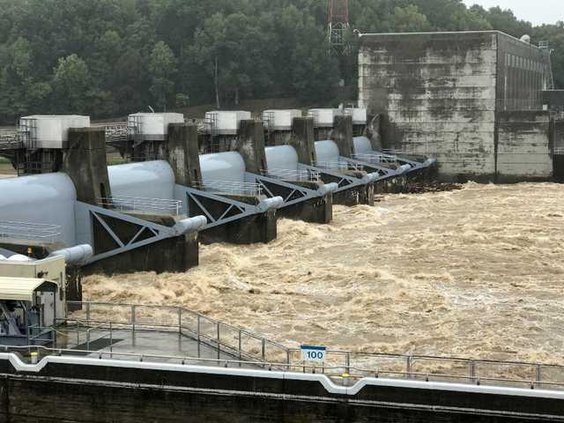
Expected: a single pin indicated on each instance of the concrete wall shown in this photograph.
(439, 94)
(137, 393)
(524, 146)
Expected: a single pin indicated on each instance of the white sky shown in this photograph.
(535, 11)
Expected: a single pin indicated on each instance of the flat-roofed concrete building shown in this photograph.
(473, 100)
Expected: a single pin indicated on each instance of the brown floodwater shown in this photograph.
(473, 273)
(6, 170)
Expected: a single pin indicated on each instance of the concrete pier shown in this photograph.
(251, 145)
(182, 146)
(342, 134)
(302, 139)
(84, 160)
(183, 154)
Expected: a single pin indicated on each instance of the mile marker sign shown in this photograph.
(313, 354)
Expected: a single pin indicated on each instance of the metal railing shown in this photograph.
(141, 205)
(346, 376)
(410, 155)
(115, 132)
(293, 174)
(221, 336)
(10, 140)
(230, 187)
(251, 348)
(376, 158)
(339, 165)
(72, 330)
(43, 233)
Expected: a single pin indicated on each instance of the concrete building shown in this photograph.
(473, 100)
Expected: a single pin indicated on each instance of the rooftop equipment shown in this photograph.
(323, 118)
(280, 120)
(49, 131)
(359, 115)
(151, 126)
(225, 122)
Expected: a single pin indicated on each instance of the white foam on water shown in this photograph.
(473, 273)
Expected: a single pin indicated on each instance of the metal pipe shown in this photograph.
(74, 255)
(198, 334)
(218, 341)
(328, 188)
(270, 204)
(180, 320)
(403, 169)
(240, 346)
(111, 341)
(133, 318)
(193, 224)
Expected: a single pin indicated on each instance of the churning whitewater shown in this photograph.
(473, 273)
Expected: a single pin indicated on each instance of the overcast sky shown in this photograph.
(535, 11)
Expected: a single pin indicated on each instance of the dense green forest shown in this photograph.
(113, 57)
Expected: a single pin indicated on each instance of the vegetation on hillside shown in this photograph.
(112, 57)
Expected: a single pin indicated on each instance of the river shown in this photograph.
(475, 273)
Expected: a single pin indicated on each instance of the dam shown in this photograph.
(274, 265)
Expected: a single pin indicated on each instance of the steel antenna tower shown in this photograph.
(338, 22)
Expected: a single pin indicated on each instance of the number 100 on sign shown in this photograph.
(313, 354)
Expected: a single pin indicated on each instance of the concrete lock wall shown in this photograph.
(439, 95)
(93, 390)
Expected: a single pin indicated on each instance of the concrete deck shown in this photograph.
(158, 346)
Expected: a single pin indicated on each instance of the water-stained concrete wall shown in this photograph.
(524, 146)
(439, 94)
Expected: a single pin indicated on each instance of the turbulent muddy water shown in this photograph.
(473, 273)
(6, 170)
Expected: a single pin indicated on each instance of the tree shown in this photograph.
(162, 68)
(504, 20)
(72, 85)
(409, 19)
(114, 57)
(21, 91)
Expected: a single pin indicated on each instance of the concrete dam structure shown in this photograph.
(473, 100)
(463, 106)
(176, 191)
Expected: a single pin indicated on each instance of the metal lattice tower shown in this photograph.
(544, 45)
(338, 22)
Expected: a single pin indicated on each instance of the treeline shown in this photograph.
(112, 57)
